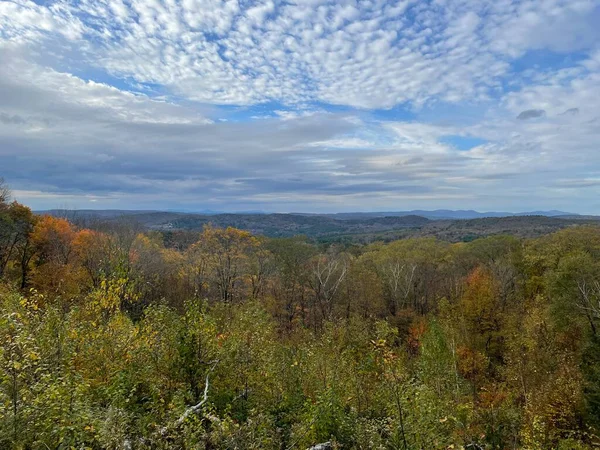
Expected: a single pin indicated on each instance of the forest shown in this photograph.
(332, 229)
(116, 337)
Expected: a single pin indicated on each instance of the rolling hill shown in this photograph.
(348, 227)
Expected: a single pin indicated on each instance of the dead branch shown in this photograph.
(195, 408)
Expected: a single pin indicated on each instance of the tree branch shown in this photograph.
(195, 408)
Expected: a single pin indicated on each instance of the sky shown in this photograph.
(306, 105)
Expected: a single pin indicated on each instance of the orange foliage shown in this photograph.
(55, 272)
(415, 333)
(54, 238)
(93, 253)
(481, 308)
(472, 365)
(492, 396)
(480, 284)
(85, 239)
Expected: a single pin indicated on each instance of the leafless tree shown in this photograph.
(329, 271)
(399, 277)
(589, 300)
(5, 194)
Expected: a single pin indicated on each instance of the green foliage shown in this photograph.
(240, 342)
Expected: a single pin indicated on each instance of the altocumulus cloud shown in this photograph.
(312, 105)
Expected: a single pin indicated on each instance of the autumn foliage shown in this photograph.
(119, 338)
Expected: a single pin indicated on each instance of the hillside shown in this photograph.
(358, 227)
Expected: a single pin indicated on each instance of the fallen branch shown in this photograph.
(195, 408)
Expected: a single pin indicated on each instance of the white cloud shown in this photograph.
(24, 20)
(367, 54)
(558, 25)
(91, 140)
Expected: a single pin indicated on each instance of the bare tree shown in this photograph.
(589, 301)
(329, 271)
(399, 277)
(5, 194)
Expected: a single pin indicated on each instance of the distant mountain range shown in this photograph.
(448, 225)
(445, 214)
(438, 214)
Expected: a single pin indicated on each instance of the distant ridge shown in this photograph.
(449, 225)
(447, 214)
(438, 214)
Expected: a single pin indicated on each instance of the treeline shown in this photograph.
(114, 338)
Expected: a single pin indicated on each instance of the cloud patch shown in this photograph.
(531, 114)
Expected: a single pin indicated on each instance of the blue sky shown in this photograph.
(314, 105)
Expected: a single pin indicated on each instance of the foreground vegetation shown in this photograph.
(112, 339)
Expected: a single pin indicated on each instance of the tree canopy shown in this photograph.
(118, 338)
